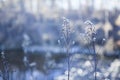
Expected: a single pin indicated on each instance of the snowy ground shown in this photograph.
(81, 68)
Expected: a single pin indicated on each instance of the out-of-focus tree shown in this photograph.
(11, 3)
(53, 4)
(2, 3)
(38, 6)
(93, 1)
(69, 5)
(22, 6)
(31, 6)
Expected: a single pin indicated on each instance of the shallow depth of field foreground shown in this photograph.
(59, 40)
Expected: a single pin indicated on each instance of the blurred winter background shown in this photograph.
(31, 39)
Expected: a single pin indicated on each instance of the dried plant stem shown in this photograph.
(68, 55)
(95, 58)
(67, 52)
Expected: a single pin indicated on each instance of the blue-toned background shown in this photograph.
(32, 39)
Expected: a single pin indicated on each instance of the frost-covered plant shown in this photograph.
(90, 32)
(5, 67)
(25, 44)
(67, 30)
(90, 35)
